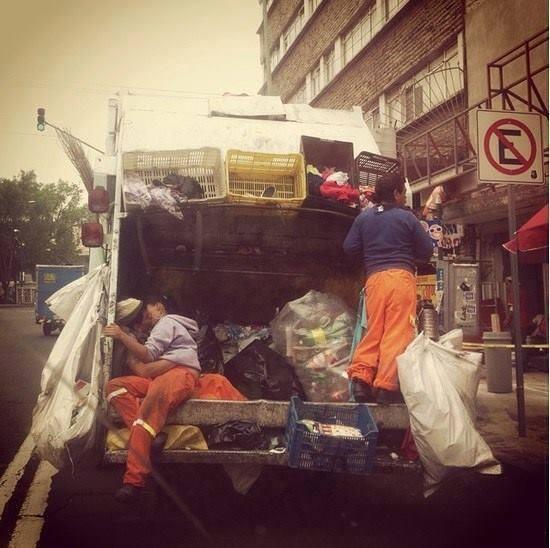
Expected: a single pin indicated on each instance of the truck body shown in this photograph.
(239, 260)
(49, 279)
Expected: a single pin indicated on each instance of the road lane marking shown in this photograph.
(31, 517)
(14, 471)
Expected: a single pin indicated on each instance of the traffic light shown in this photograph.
(41, 119)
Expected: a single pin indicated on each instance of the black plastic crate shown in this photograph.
(370, 167)
(324, 152)
(313, 451)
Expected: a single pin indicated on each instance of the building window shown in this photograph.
(315, 81)
(360, 35)
(293, 30)
(299, 96)
(275, 58)
(329, 66)
(392, 7)
(373, 118)
(313, 5)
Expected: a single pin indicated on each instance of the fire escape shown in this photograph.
(447, 149)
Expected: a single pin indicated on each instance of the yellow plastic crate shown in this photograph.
(203, 164)
(249, 174)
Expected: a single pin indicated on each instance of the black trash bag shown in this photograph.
(314, 183)
(209, 350)
(258, 372)
(237, 435)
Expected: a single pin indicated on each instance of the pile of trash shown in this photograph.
(303, 352)
(335, 185)
(169, 194)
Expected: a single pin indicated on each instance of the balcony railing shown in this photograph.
(447, 149)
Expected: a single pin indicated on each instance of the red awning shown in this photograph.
(532, 237)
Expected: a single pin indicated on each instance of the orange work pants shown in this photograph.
(144, 404)
(213, 386)
(390, 301)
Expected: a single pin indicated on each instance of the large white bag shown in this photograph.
(439, 385)
(63, 301)
(64, 415)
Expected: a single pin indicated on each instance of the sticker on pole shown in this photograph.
(509, 147)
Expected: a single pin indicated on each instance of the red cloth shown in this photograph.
(344, 193)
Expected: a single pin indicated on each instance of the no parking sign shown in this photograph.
(509, 147)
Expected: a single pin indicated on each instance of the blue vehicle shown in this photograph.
(49, 279)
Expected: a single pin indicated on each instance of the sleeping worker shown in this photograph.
(166, 372)
(391, 241)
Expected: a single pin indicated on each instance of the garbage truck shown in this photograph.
(253, 236)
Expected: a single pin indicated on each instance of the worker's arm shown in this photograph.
(353, 244)
(135, 348)
(423, 243)
(150, 370)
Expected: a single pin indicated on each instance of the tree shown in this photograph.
(38, 224)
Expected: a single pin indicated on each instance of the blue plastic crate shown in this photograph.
(311, 451)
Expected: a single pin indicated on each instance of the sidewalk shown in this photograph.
(497, 422)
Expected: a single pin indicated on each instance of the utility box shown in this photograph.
(460, 285)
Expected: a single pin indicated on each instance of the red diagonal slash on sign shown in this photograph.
(495, 130)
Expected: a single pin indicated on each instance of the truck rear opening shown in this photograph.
(228, 260)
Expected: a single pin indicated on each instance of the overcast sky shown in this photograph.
(69, 56)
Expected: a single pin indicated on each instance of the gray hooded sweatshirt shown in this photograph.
(172, 339)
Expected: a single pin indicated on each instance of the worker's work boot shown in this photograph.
(385, 397)
(128, 494)
(362, 392)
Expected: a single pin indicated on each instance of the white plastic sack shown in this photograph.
(439, 386)
(63, 301)
(65, 410)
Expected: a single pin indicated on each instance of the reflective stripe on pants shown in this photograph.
(145, 417)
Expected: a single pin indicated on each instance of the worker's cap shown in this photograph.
(127, 310)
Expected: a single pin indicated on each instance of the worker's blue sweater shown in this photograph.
(388, 238)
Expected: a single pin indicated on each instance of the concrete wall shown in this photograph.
(493, 27)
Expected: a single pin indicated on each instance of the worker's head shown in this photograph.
(390, 189)
(157, 306)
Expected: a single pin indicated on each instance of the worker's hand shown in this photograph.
(113, 330)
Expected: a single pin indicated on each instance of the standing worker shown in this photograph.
(391, 241)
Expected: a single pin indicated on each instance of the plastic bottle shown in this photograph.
(327, 358)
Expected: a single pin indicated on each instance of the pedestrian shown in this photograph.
(165, 373)
(391, 241)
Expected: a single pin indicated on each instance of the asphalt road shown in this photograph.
(284, 508)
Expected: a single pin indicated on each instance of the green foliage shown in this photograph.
(46, 217)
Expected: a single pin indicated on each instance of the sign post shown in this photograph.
(510, 151)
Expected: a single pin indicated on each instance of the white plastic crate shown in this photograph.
(203, 164)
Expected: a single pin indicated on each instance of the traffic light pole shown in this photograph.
(41, 124)
(71, 135)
